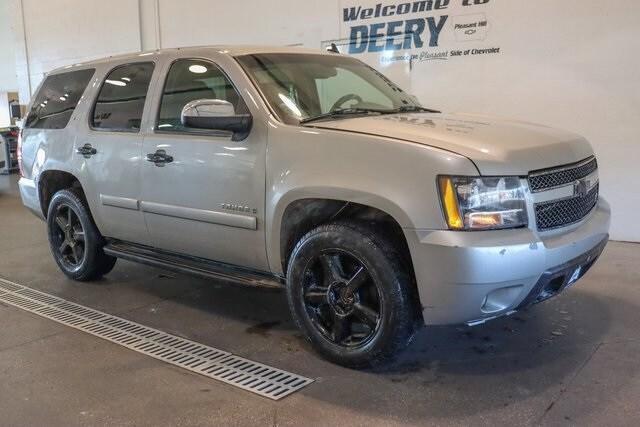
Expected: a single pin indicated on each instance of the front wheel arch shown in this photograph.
(291, 212)
(303, 215)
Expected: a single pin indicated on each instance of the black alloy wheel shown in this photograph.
(76, 243)
(341, 299)
(351, 294)
(68, 237)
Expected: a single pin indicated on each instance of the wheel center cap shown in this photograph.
(340, 298)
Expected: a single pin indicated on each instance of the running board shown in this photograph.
(191, 265)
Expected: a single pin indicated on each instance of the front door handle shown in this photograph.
(86, 150)
(160, 157)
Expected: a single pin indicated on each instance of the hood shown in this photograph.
(496, 146)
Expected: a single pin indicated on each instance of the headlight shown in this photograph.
(472, 203)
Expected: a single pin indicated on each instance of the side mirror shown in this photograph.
(216, 114)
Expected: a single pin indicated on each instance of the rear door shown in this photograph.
(208, 200)
(110, 152)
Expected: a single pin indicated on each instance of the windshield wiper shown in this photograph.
(343, 112)
(413, 109)
(359, 111)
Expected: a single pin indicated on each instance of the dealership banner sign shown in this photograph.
(416, 31)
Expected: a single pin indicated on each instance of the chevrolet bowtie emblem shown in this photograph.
(580, 188)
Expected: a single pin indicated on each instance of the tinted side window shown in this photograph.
(120, 102)
(57, 98)
(191, 79)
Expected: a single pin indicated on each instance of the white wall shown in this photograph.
(280, 22)
(5, 115)
(61, 32)
(8, 80)
(570, 63)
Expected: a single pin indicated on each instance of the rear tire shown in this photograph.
(350, 295)
(76, 243)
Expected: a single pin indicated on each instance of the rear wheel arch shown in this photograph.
(52, 181)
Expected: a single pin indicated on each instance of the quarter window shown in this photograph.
(191, 79)
(57, 99)
(121, 100)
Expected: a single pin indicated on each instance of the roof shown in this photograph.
(231, 50)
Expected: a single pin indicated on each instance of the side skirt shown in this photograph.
(192, 265)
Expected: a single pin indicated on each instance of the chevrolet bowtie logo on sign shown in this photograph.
(470, 27)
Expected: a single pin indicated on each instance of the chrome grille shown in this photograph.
(559, 213)
(556, 177)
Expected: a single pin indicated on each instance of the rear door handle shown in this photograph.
(160, 158)
(87, 150)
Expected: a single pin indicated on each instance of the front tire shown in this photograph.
(350, 294)
(76, 243)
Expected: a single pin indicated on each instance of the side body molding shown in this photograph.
(119, 202)
(213, 217)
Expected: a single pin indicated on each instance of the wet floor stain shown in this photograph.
(263, 328)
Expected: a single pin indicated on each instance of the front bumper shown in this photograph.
(471, 277)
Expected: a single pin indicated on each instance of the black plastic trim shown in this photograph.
(556, 279)
(192, 265)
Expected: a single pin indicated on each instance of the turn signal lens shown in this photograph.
(450, 203)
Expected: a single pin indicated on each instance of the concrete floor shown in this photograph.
(573, 360)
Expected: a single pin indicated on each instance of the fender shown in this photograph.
(275, 215)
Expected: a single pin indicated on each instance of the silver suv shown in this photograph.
(313, 172)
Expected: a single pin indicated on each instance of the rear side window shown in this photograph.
(121, 99)
(57, 98)
(191, 79)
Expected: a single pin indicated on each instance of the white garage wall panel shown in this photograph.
(8, 79)
(279, 22)
(571, 64)
(61, 32)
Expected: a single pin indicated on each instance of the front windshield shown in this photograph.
(301, 86)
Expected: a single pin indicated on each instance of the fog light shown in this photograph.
(501, 299)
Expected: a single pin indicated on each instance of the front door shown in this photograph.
(202, 192)
(110, 152)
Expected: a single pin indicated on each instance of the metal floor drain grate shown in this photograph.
(213, 363)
